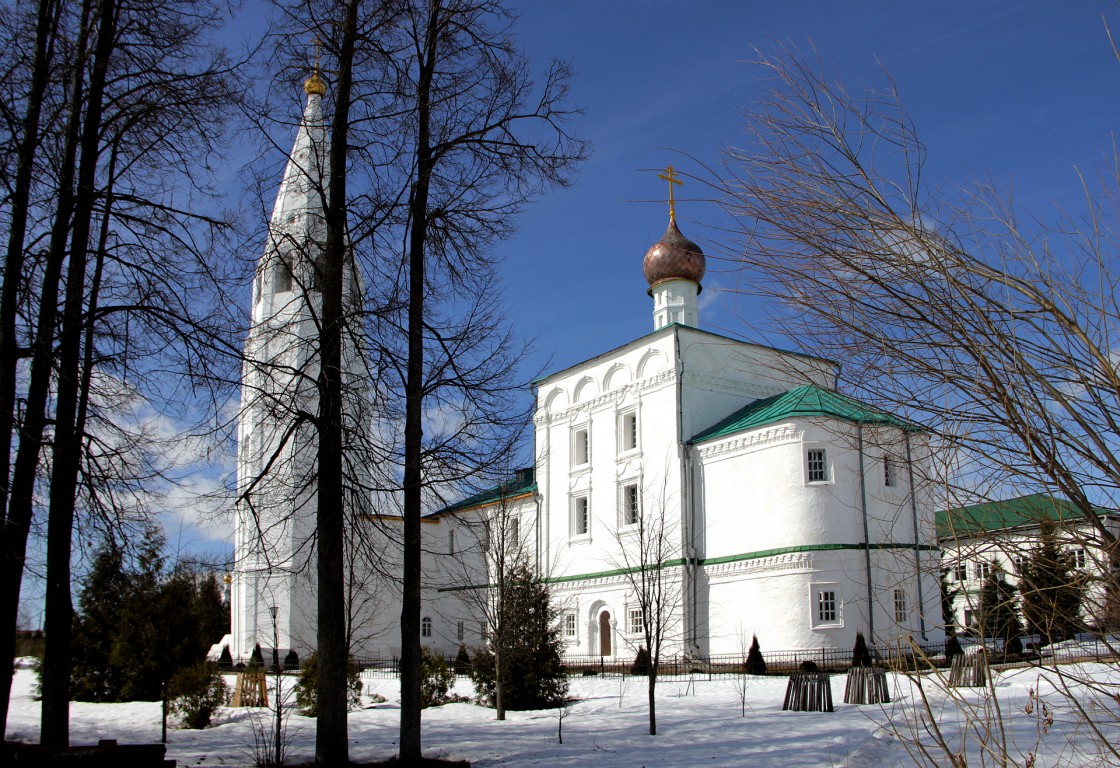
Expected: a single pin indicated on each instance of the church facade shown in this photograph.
(785, 509)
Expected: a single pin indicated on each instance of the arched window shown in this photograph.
(426, 627)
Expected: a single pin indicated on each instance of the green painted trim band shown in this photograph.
(718, 560)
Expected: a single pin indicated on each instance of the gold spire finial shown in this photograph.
(315, 84)
(670, 176)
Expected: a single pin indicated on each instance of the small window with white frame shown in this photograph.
(581, 447)
(628, 432)
(960, 571)
(581, 516)
(1077, 556)
(816, 465)
(635, 621)
(460, 631)
(426, 627)
(451, 541)
(630, 504)
(890, 472)
(826, 606)
(901, 610)
(570, 626)
(983, 568)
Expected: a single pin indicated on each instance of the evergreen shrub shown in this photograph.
(641, 662)
(861, 657)
(756, 665)
(196, 693)
(436, 679)
(307, 698)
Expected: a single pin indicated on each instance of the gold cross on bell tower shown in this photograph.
(670, 176)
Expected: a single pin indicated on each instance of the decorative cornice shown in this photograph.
(798, 561)
(745, 441)
(613, 397)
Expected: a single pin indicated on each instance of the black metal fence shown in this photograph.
(777, 662)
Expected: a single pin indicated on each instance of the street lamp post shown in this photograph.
(275, 610)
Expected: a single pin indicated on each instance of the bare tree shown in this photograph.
(124, 102)
(649, 548)
(496, 549)
(946, 305)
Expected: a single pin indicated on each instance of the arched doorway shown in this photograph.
(605, 633)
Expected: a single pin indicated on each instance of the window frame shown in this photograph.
(461, 631)
(635, 621)
(901, 607)
(578, 515)
(817, 473)
(628, 431)
(626, 505)
(826, 606)
(581, 446)
(890, 472)
(283, 276)
(570, 627)
(426, 626)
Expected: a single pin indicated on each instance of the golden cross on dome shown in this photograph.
(670, 176)
(318, 46)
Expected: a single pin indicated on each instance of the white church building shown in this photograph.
(791, 512)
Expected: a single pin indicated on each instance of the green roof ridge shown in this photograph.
(524, 481)
(1008, 513)
(804, 401)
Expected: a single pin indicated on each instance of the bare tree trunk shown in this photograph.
(68, 441)
(17, 520)
(331, 745)
(410, 737)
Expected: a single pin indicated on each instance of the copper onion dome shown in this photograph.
(673, 257)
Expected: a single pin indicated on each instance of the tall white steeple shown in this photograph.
(272, 594)
(674, 267)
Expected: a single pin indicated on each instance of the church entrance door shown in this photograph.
(605, 634)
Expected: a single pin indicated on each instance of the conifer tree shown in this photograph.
(999, 616)
(534, 672)
(1052, 593)
(756, 665)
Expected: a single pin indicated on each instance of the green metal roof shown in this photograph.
(1008, 513)
(524, 481)
(801, 402)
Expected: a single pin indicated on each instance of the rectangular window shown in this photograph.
(817, 466)
(484, 632)
(580, 516)
(961, 572)
(514, 531)
(968, 617)
(637, 626)
(425, 627)
(1078, 556)
(631, 504)
(281, 276)
(628, 432)
(460, 631)
(581, 448)
(890, 472)
(570, 625)
(451, 542)
(901, 613)
(1019, 561)
(826, 607)
(983, 568)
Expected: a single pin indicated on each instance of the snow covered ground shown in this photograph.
(699, 724)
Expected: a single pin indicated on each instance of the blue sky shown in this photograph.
(1021, 93)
